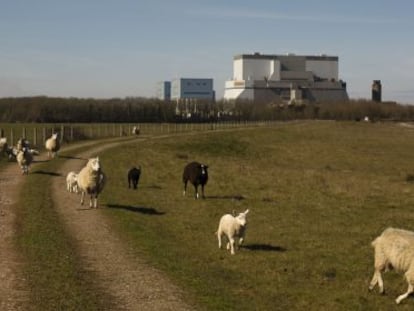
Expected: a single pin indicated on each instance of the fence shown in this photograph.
(38, 133)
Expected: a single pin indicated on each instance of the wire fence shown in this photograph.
(37, 133)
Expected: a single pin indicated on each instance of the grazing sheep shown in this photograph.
(197, 174)
(72, 182)
(3, 145)
(232, 227)
(394, 248)
(91, 180)
(133, 177)
(52, 145)
(24, 159)
(135, 130)
(22, 143)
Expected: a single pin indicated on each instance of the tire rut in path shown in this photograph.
(133, 282)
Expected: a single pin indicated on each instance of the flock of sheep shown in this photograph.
(393, 249)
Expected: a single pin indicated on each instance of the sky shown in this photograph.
(122, 48)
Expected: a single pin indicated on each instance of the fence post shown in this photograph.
(11, 137)
(62, 133)
(35, 136)
(24, 133)
(44, 134)
(71, 133)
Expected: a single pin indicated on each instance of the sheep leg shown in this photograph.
(410, 290)
(219, 238)
(196, 191)
(185, 187)
(202, 192)
(82, 197)
(231, 242)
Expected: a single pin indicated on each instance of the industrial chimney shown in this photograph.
(376, 91)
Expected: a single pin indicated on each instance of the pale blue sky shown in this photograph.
(119, 48)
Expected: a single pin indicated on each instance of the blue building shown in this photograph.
(192, 88)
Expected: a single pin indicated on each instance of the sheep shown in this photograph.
(135, 130)
(197, 174)
(52, 145)
(3, 145)
(24, 159)
(72, 182)
(232, 227)
(91, 180)
(22, 143)
(133, 177)
(394, 248)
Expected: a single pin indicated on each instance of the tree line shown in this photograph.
(44, 109)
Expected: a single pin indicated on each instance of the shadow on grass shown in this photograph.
(47, 173)
(71, 157)
(264, 247)
(136, 209)
(236, 197)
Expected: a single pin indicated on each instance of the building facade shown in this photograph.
(192, 88)
(164, 90)
(286, 78)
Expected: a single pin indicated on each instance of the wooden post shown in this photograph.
(71, 133)
(11, 137)
(62, 133)
(35, 136)
(44, 134)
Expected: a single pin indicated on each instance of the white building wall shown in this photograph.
(256, 69)
(274, 73)
(238, 69)
(323, 68)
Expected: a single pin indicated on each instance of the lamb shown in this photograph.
(91, 180)
(394, 248)
(133, 177)
(24, 159)
(52, 145)
(232, 227)
(72, 182)
(197, 174)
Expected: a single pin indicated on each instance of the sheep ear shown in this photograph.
(245, 213)
(97, 158)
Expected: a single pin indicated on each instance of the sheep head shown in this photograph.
(94, 164)
(54, 135)
(241, 218)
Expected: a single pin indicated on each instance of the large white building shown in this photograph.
(285, 77)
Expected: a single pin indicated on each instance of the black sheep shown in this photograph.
(133, 176)
(197, 174)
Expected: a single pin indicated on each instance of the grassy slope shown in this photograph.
(319, 192)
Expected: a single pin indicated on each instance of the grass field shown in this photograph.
(318, 192)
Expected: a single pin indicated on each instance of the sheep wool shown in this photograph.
(233, 228)
(52, 145)
(394, 248)
(24, 159)
(91, 180)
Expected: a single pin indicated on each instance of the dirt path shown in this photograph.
(134, 283)
(13, 289)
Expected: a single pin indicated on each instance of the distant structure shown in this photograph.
(376, 91)
(287, 78)
(192, 89)
(164, 90)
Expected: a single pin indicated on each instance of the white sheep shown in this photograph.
(135, 130)
(394, 248)
(24, 159)
(3, 144)
(72, 182)
(91, 180)
(233, 227)
(52, 145)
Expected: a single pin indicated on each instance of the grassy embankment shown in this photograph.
(319, 193)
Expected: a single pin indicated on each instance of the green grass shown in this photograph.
(319, 193)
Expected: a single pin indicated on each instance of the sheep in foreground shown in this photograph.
(233, 227)
(72, 182)
(24, 159)
(394, 248)
(197, 174)
(133, 177)
(52, 145)
(91, 180)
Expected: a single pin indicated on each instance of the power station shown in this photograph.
(292, 78)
